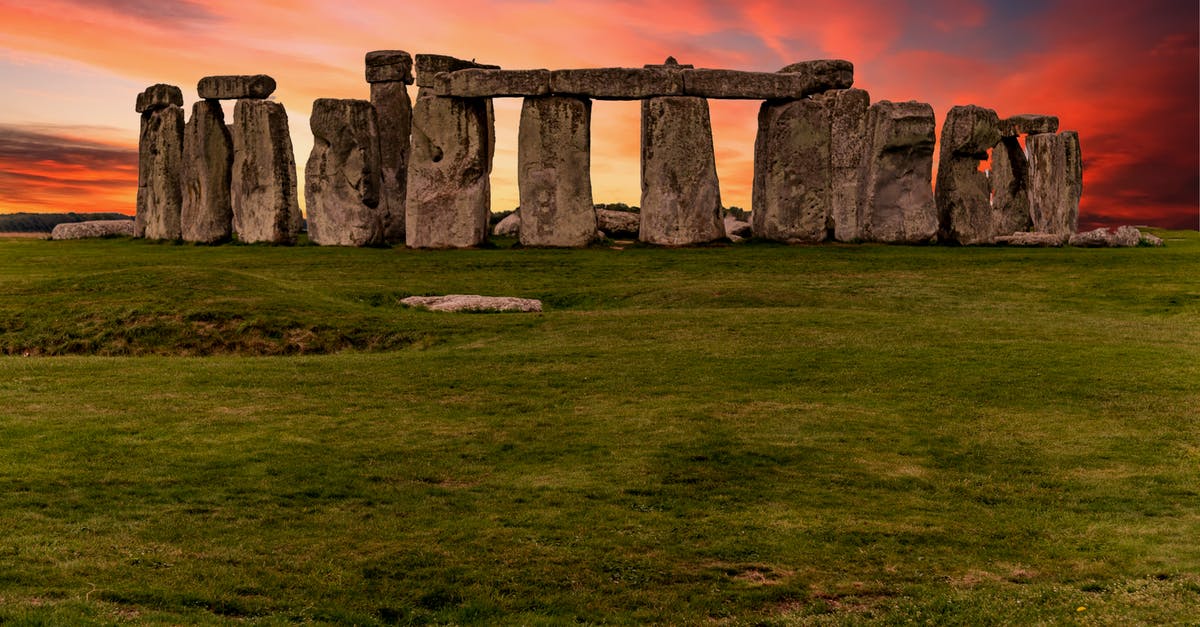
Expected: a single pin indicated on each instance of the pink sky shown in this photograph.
(1125, 75)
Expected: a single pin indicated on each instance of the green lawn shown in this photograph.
(745, 434)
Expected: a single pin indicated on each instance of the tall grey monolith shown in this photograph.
(160, 163)
(554, 172)
(963, 193)
(207, 215)
(792, 176)
(389, 73)
(1055, 182)
(897, 196)
(263, 192)
(342, 180)
(1010, 188)
(681, 197)
(848, 145)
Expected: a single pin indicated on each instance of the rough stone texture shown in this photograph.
(824, 74)
(617, 83)
(342, 183)
(792, 177)
(159, 96)
(1028, 124)
(263, 192)
(1055, 182)
(737, 228)
(389, 66)
(764, 85)
(1151, 239)
(474, 303)
(160, 168)
(1010, 187)
(681, 197)
(848, 143)
(510, 226)
(449, 194)
(618, 223)
(1123, 237)
(207, 215)
(1032, 239)
(394, 123)
(430, 65)
(93, 228)
(897, 198)
(964, 196)
(493, 83)
(554, 172)
(257, 86)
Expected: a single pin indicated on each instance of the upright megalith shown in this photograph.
(848, 144)
(207, 215)
(963, 195)
(160, 161)
(1055, 182)
(342, 181)
(792, 176)
(263, 193)
(897, 193)
(1010, 187)
(554, 172)
(448, 198)
(681, 197)
(389, 73)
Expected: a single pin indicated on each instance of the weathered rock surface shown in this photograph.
(510, 226)
(389, 66)
(1010, 187)
(617, 83)
(681, 197)
(1151, 239)
(342, 182)
(160, 171)
(1123, 237)
(792, 177)
(618, 223)
(801, 79)
(207, 214)
(449, 194)
(430, 65)
(493, 83)
(737, 228)
(1055, 182)
(93, 228)
(265, 208)
(258, 86)
(394, 123)
(159, 96)
(474, 303)
(1028, 124)
(897, 200)
(554, 172)
(1032, 239)
(824, 74)
(963, 193)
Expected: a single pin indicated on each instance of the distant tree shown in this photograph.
(618, 206)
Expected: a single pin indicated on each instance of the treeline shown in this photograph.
(45, 222)
(736, 212)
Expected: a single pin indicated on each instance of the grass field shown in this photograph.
(754, 434)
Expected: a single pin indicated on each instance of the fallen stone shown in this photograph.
(554, 172)
(618, 223)
(1123, 237)
(449, 194)
(160, 170)
(509, 226)
(1150, 239)
(792, 178)
(737, 228)
(430, 65)
(848, 143)
(681, 196)
(1055, 182)
(265, 208)
(474, 303)
(617, 83)
(258, 86)
(389, 66)
(1010, 187)
(93, 228)
(1028, 124)
(1032, 239)
(963, 194)
(159, 96)
(898, 205)
(207, 214)
(394, 123)
(493, 83)
(342, 183)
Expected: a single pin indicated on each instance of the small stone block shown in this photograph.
(477, 83)
(617, 83)
(389, 66)
(430, 65)
(1028, 124)
(159, 96)
(256, 87)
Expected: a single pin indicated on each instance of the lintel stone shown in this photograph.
(430, 65)
(477, 83)
(1028, 124)
(159, 96)
(257, 86)
(617, 83)
(389, 66)
(760, 85)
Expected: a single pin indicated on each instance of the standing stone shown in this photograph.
(964, 196)
(265, 208)
(449, 194)
(897, 197)
(848, 144)
(1055, 182)
(207, 215)
(1010, 188)
(342, 182)
(792, 177)
(554, 172)
(681, 197)
(390, 72)
(160, 168)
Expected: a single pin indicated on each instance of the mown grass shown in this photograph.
(750, 434)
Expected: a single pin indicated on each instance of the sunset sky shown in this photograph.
(1126, 75)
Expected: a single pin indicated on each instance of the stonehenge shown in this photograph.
(829, 165)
